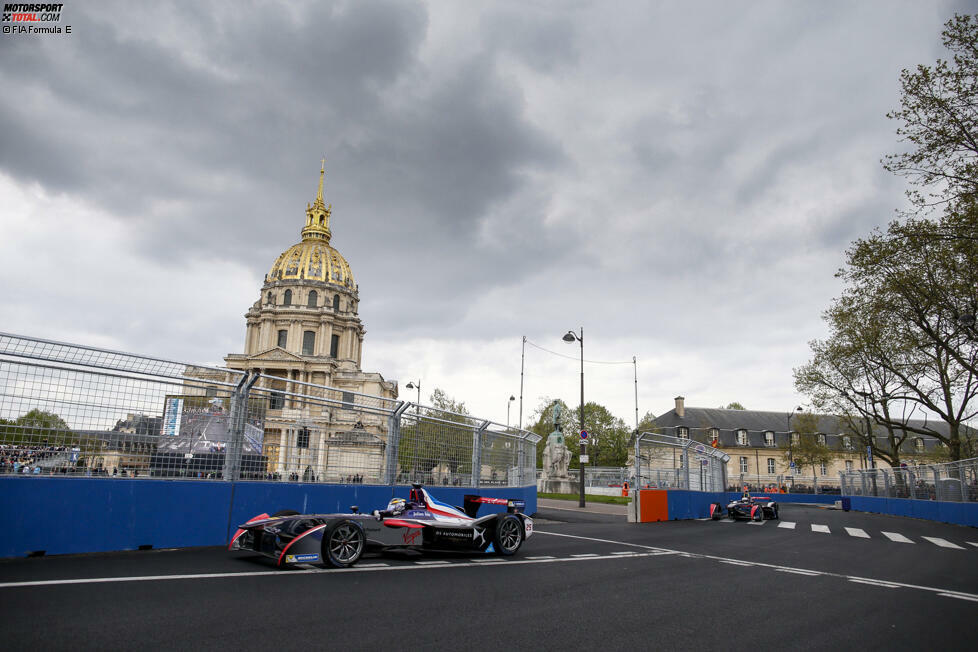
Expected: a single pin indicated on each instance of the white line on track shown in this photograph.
(620, 552)
(798, 572)
(586, 554)
(896, 536)
(960, 597)
(821, 528)
(756, 522)
(856, 532)
(735, 563)
(972, 543)
(545, 557)
(888, 585)
(944, 543)
(432, 562)
(787, 524)
(486, 560)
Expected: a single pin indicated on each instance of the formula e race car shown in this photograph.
(421, 522)
(755, 508)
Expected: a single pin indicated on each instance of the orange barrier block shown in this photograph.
(653, 505)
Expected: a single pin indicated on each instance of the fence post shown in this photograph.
(477, 453)
(239, 409)
(638, 461)
(393, 443)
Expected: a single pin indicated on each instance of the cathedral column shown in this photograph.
(322, 345)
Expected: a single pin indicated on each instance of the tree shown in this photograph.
(939, 119)
(898, 347)
(611, 432)
(733, 406)
(442, 434)
(544, 424)
(809, 451)
(36, 427)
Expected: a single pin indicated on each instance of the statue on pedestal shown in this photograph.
(556, 457)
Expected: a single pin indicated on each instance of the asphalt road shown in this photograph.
(584, 580)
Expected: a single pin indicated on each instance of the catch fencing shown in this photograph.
(666, 462)
(949, 482)
(77, 411)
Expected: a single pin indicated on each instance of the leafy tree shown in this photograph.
(36, 427)
(809, 451)
(441, 434)
(733, 406)
(544, 424)
(612, 433)
(938, 116)
(647, 423)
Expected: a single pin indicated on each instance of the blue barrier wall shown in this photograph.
(946, 512)
(684, 504)
(72, 515)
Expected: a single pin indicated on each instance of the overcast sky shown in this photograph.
(679, 179)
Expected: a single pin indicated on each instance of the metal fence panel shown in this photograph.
(949, 482)
(76, 410)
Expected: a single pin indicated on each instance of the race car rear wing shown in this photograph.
(472, 503)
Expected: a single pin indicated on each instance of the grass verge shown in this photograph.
(613, 500)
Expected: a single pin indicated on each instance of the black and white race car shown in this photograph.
(420, 522)
(755, 508)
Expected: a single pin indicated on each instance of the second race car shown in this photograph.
(420, 522)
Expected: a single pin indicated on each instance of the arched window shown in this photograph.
(742, 437)
(287, 301)
(271, 299)
(283, 338)
(769, 439)
(336, 302)
(334, 346)
(313, 299)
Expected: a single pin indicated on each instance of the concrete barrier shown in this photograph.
(74, 515)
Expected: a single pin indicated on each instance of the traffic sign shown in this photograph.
(585, 459)
(584, 434)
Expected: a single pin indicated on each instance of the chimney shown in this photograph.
(680, 407)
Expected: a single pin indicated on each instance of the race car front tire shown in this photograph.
(508, 536)
(775, 509)
(759, 514)
(343, 544)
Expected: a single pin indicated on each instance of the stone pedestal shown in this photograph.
(558, 486)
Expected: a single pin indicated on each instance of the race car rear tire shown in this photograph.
(285, 512)
(508, 536)
(343, 544)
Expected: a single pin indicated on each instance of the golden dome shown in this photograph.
(314, 259)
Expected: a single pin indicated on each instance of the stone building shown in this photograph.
(305, 328)
(760, 443)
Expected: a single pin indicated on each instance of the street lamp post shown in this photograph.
(417, 386)
(570, 337)
(509, 404)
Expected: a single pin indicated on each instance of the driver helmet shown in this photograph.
(396, 505)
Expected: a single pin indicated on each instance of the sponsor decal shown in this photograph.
(306, 557)
(454, 534)
(289, 559)
(417, 513)
(410, 536)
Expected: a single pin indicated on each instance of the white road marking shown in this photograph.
(544, 557)
(757, 522)
(486, 560)
(856, 532)
(432, 562)
(734, 562)
(887, 585)
(960, 597)
(623, 552)
(787, 524)
(586, 554)
(378, 564)
(944, 543)
(895, 536)
(821, 528)
(798, 572)
(972, 543)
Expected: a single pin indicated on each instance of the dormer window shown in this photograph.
(741, 437)
(769, 439)
(682, 432)
(918, 444)
(820, 438)
(847, 442)
(715, 436)
(795, 439)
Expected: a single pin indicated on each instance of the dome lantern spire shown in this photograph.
(318, 213)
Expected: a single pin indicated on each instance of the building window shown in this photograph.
(770, 465)
(823, 469)
(336, 302)
(820, 438)
(287, 301)
(348, 398)
(682, 432)
(313, 299)
(283, 338)
(308, 342)
(847, 442)
(276, 400)
(271, 299)
(210, 391)
(769, 439)
(918, 444)
(848, 465)
(742, 437)
(743, 465)
(334, 346)
(795, 439)
(302, 438)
